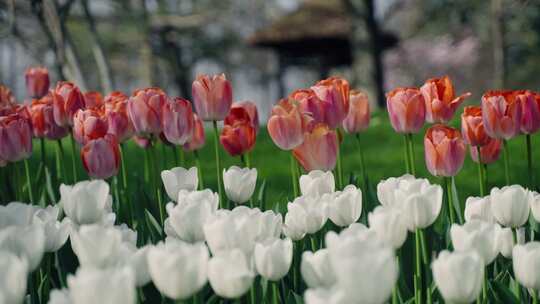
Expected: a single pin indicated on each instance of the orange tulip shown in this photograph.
(198, 137)
(101, 157)
(444, 150)
(251, 108)
(490, 152)
(358, 117)
(472, 126)
(238, 135)
(501, 112)
(285, 125)
(319, 149)
(88, 125)
(441, 100)
(407, 109)
(212, 96)
(42, 117)
(67, 99)
(37, 82)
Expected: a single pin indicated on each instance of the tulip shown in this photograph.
(230, 274)
(37, 81)
(251, 109)
(67, 99)
(197, 139)
(26, 242)
(316, 269)
(239, 183)
(86, 202)
(14, 271)
(107, 286)
(357, 120)
(333, 295)
(7, 100)
(319, 149)
(472, 126)
(238, 135)
(458, 275)
(444, 150)
(89, 125)
(489, 153)
(145, 110)
(344, 207)
(178, 270)
(407, 109)
(389, 226)
(526, 259)
(273, 258)
(177, 121)
(212, 96)
(15, 138)
(334, 95)
(285, 125)
(120, 125)
(510, 205)
(178, 179)
(316, 183)
(59, 296)
(42, 117)
(506, 242)
(304, 215)
(535, 205)
(17, 214)
(137, 259)
(310, 104)
(477, 236)
(101, 157)
(93, 99)
(441, 100)
(56, 232)
(501, 112)
(96, 246)
(530, 111)
(142, 142)
(478, 208)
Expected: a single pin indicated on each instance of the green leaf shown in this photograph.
(455, 201)
(213, 299)
(264, 286)
(293, 297)
(49, 185)
(261, 198)
(153, 226)
(503, 294)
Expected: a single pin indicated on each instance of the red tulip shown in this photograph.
(407, 109)
(334, 94)
(251, 108)
(67, 99)
(145, 110)
(490, 152)
(15, 138)
(198, 137)
(444, 150)
(177, 123)
(441, 100)
(37, 82)
(357, 120)
(285, 125)
(530, 111)
(93, 99)
(42, 117)
(88, 125)
(238, 135)
(118, 120)
(472, 126)
(212, 96)
(319, 149)
(101, 157)
(143, 142)
(501, 112)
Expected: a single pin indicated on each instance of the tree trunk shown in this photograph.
(376, 50)
(497, 36)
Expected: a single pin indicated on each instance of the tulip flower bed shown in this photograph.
(330, 204)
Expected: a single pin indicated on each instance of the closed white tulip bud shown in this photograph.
(59, 296)
(526, 262)
(333, 295)
(13, 279)
(510, 205)
(387, 190)
(56, 233)
(97, 246)
(273, 258)
(478, 208)
(389, 225)
(17, 214)
(86, 202)
(304, 215)
(230, 274)
(344, 207)
(178, 179)
(316, 269)
(316, 183)
(178, 270)
(104, 286)
(535, 206)
(478, 236)
(26, 242)
(239, 183)
(269, 225)
(458, 275)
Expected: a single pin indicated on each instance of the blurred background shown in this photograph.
(270, 47)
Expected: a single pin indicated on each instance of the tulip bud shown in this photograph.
(145, 110)
(238, 135)
(501, 113)
(319, 149)
(357, 120)
(316, 183)
(285, 125)
(489, 152)
(230, 274)
(212, 96)
(239, 183)
(316, 269)
(441, 100)
(407, 109)
(389, 226)
(13, 288)
(86, 202)
(334, 95)
(67, 99)
(118, 120)
(15, 138)
(444, 150)
(177, 121)
(478, 208)
(178, 179)
(525, 261)
(37, 82)
(198, 137)
(93, 99)
(42, 116)
(273, 258)
(344, 207)
(251, 109)
(89, 125)
(510, 205)
(472, 127)
(101, 157)
(530, 111)
(107, 286)
(478, 236)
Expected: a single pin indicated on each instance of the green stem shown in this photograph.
(529, 160)
(412, 160)
(313, 243)
(506, 162)
(339, 168)
(252, 294)
(448, 186)
(406, 154)
(294, 178)
(275, 293)
(123, 167)
(418, 269)
(157, 185)
(484, 286)
(218, 163)
(62, 174)
(29, 181)
(480, 173)
(199, 169)
(534, 295)
(248, 159)
(73, 161)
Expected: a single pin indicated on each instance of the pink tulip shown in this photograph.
(118, 120)
(501, 112)
(407, 109)
(88, 125)
(444, 150)
(37, 82)
(530, 111)
(197, 138)
(357, 120)
(67, 99)
(212, 97)
(238, 134)
(42, 117)
(319, 149)
(15, 138)
(308, 103)
(441, 100)
(490, 152)
(7, 100)
(177, 123)
(285, 125)
(472, 126)
(334, 94)
(145, 110)
(93, 99)
(251, 109)
(101, 157)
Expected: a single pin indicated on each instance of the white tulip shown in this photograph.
(269, 225)
(97, 246)
(87, 202)
(230, 274)
(344, 207)
(26, 242)
(526, 262)
(178, 179)
(178, 270)
(207, 195)
(479, 208)
(351, 239)
(316, 183)
(332, 295)
(13, 272)
(273, 258)
(506, 242)
(535, 205)
(137, 260)
(128, 235)
(389, 225)
(17, 214)
(239, 183)
(458, 275)
(56, 233)
(104, 286)
(478, 236)
(316, 269)
(304, 215)
(386, 189)
(510, 205)
(59, 296)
